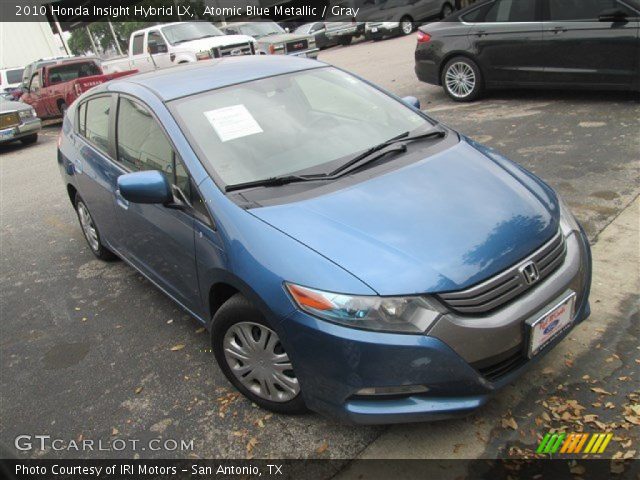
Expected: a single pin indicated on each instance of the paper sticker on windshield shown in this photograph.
(232, 122)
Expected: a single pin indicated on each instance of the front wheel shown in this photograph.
(29, 139)
(447, 10)
(462, 79)
(253, 359)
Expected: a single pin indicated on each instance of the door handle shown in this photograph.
(120, 200)
(559, 29)
(481, 33)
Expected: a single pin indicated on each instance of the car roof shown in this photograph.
(184, 80)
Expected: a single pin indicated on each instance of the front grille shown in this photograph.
(11, 119)
(506, 286)
(499, 369)
(233, 50)
(296, 46)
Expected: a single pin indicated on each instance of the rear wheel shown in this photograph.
(90, 231)
(462, 79)
(29, 139)
(406, 25)
(253, 359)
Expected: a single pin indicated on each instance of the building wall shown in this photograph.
(23, 42)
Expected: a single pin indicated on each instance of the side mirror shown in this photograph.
(150, 186)
(612, 15)
(412, 102)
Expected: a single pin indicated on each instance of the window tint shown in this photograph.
(97, 122)
(476, 15)
(582, 9)
(14, 76)
(142, 145)
(72, 71)
(137, 44)
(155, 37)
(512, 11)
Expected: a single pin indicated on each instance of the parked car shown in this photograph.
(178, 43)
(362, 277)
(319, 32)
(344, 32)
(33, 66)
(401, 17)
(18, 122)
(540, 43)
(273, 39)
(54, 87)
(10, 79)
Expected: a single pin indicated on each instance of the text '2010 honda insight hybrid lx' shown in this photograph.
(349, 254)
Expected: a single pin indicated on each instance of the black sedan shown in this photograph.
(532, 43)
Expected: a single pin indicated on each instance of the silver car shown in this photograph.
(18, 121)
(273, 39)
(400, 17)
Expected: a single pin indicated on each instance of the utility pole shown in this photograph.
(115, 39)
(93, 44)
(59, 30)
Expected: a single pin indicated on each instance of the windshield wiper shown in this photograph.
(399, 142)
(275, 181)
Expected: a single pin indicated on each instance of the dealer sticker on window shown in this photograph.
(551, 324)
(232, 122)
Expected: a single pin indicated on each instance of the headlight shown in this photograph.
(568, 222)
(392, 314)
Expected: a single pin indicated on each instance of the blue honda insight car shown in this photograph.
(349, 254)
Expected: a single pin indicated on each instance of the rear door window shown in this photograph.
(96, 128)
(565, 10)
(512, 11)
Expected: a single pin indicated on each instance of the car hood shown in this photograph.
(11, 106)
(443, 223)
(211, 42)
(282, 38)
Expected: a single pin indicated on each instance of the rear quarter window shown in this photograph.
(96, 127)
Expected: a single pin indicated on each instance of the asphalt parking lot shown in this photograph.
(91, 350)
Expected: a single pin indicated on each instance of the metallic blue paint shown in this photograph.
(145, 187)
(442, 223)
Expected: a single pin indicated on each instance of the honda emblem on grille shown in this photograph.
(530, 273)
(235, 52)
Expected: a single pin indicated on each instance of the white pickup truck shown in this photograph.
(162, 46)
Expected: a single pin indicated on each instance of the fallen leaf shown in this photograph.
(510, 423)
(590, 418)
(138, 390)
(600, 390)
(114, 431)
(251, 443)
(457, 447)
(322, 448)
(177, 347)
(548, 371)
(170, 321)
(632, 419)
(629, 454)
(200, 330)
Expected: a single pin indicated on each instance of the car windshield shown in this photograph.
(303, 29)
(14, 76)
(185, 32)
(71, 71)
(261, 29)
(290, 124)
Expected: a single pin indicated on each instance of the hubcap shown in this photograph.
(407, 27)
(258, 360)
(89, 229)
(460, 79)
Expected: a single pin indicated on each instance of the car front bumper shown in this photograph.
(334, 362)
(27, 127)
(382, 29)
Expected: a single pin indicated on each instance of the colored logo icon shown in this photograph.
(574, 443)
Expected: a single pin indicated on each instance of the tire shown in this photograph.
(29, 139)
(344, 41)
(462, 80)
(238, 323)
(63, 109)
(92, 236)
(406, 26)
(447, 10)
